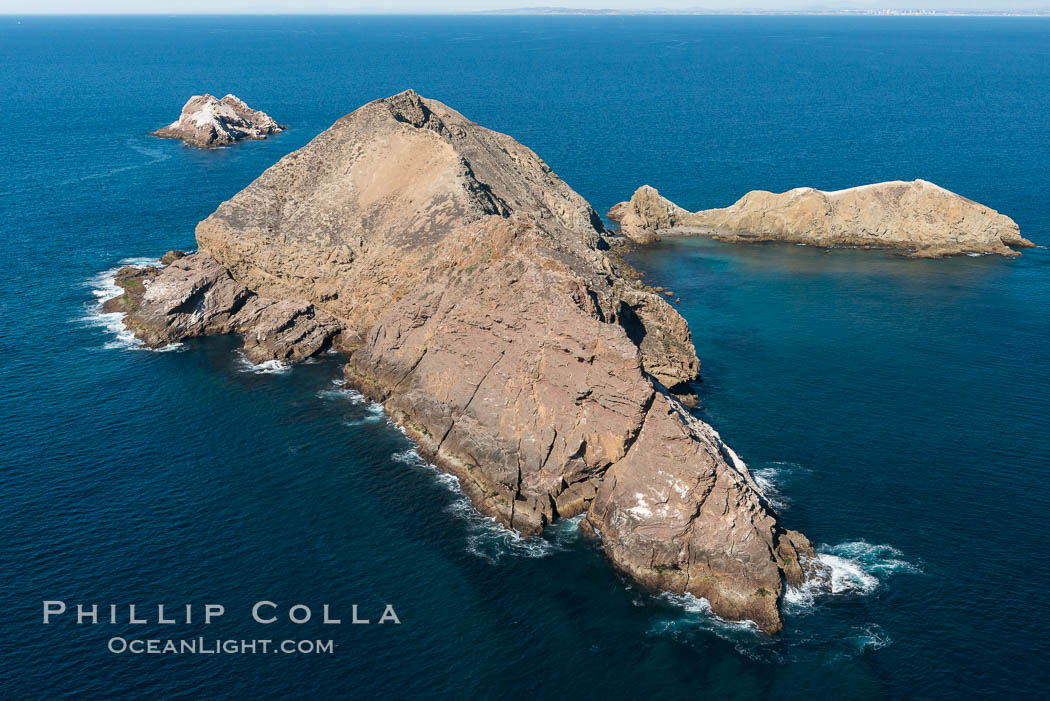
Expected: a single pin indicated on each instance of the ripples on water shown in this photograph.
(857, 568)
(907, 399)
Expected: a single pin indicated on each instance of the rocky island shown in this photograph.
(474, 295)
(208, 122)
(919, 217)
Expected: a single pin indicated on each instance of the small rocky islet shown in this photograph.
(209, 122)
(919, 218)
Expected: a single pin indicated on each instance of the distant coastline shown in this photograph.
(736, 12)
(570, 11)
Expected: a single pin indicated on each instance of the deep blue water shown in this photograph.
(897, 408)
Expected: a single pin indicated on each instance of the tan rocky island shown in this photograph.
(474, 295)
(208, 122)
(918, 217)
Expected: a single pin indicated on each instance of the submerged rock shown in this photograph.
(475, 296)
(919, 217)
(208, 122)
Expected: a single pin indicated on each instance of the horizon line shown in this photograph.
(566, 12)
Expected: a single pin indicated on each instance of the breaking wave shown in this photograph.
(868, 637)
(685, 617)
(771, 475)
(103, 288)
(854, 568)
(699, 605)
(269, 367)
(374, 412)
(691, 619)
(344, 393)
(486, 537)
(764, 479)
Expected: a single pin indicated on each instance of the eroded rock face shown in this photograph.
(919, 217)
(667, 510)
(194, 296)
(208, 122)
(472, 291)
(645, 214)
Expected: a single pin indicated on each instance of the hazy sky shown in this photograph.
(16, 7)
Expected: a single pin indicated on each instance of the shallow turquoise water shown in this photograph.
(897, 409)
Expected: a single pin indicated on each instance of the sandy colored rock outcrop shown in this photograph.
(474, 295)
(919, 217)
(645, 214)
(194, 296)
(208, 122)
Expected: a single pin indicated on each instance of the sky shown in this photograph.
(19, 7)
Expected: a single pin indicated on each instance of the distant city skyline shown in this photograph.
(18, 7)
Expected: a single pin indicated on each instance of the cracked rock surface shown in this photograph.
(208, 122)
(475, 296)
(919, 217)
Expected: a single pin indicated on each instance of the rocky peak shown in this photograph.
(473, 295)
(410, 108)
(645, 214)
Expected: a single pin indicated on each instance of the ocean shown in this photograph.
(896, 410)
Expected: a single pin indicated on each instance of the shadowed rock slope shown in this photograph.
(471, 290)
(918, 216)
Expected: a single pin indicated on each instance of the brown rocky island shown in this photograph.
(208, 122)
(473, 294)
(918, 217)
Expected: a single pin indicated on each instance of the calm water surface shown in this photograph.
(896, 409)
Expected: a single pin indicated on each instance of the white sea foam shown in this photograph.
(693, 616)
(103, 288)
(139, 262)
(407, 457)
(769, 478)
(853, 568)
(486, 537)
(848, 575)
(764, 477)
(494, 543)
(345, 393)
(268, 367)
(699, 605)
(857, 641)
(874, 558)
(870, 637)
(374, 412)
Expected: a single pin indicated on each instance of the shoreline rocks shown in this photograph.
(194, 296)
(474, 295)
(208, 122)
(919, 217)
